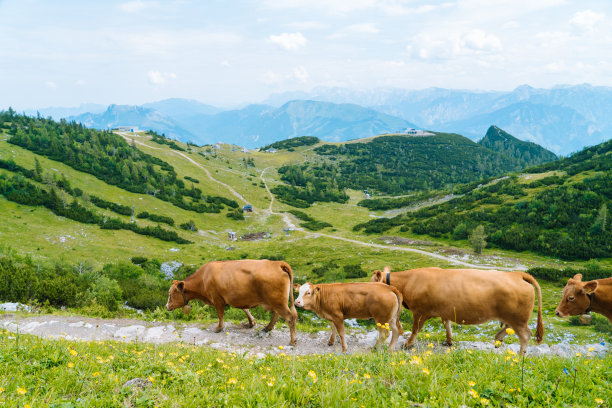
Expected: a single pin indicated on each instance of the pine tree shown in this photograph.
(478, 239)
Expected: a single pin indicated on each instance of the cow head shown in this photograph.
(379, 276)
(307, 295)
(575, 299)
(176, 295)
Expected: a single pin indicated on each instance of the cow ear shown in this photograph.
(296, 287)
(316, 290)
(589, 287)
(377, 275)
(181, 285)
(577, 277)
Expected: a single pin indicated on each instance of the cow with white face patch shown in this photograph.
(361, 300)
(583, 297)
(242, 284)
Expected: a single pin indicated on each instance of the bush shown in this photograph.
(235, 215)
(354, 271)
(106, 292)
(139, 260)
(189, 226)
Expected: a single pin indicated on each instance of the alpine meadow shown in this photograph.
(305, 204)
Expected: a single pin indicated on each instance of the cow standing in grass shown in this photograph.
(467, 296)
(583, 297)
(242, 284)
(362, 300)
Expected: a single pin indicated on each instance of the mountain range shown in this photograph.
(563, 119)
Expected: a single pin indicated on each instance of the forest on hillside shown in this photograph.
(395, 165)
(108, 157)
(558, 215)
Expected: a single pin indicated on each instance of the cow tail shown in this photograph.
(287, 269)
(540, 325)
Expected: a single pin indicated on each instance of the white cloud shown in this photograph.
(160, 78)
(511, 24)
(586, 20)
(51, 84)
(441, 46)
(134, 6)
(308, 25)
(289, 41)
(79, 82)
(478, 40)
(301, 74)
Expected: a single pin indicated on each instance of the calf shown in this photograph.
(467, 296)
(242, 284)
(338, 301)
(581, 297)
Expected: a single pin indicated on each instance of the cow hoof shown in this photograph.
(447, 343)
(265, 330)
(293, 343)
(329, 343)
(407, 346)
(218, 329)
(248, 325)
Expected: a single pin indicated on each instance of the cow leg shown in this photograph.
(418, 321)
(398, 324)
(220, 313)
(332, 338)
(523, 334)
(500, 335)
(272, 323)
(382, 334)
(395, 333)
(250, 317)
(339, 323)
(449, 333)
(290, 316)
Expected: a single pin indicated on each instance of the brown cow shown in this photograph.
(582, 297)
(467, 296)
(362, 300)
(242, 284)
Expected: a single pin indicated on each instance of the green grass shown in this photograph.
(59, 373)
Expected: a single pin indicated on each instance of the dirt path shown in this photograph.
(238, 338)
(291, 225)
(236, 194)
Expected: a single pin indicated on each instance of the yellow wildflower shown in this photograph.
(473, 393)
(578, 354)
(199, 372)
(471, 383)
(599, 401)
(21, 391)
(427, 335)
(591, 349)
(1, 390)
(97, 373)
(510, 331)
(280, 347)
(70, 365)
(232, 381)
(312, 375)
(498, 343)
(430, 345)
(469, 351)
(27, 406)
(72, 352)
(484, 401)
(366, 375)
(426, 371)
(151, 379)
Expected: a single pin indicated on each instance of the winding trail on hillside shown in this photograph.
(236, 194)
(291, 225)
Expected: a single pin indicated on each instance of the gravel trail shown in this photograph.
(238, 338)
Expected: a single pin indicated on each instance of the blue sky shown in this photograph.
(63, 53)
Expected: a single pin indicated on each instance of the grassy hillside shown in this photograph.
(526, 153)
(563, 213)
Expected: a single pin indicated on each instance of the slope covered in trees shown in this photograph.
(108, 157)
(525, 153)
(396, 165)
(565, 214)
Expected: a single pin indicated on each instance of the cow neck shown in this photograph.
(591, 296)
(188, 290)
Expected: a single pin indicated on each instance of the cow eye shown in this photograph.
(571, 298)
